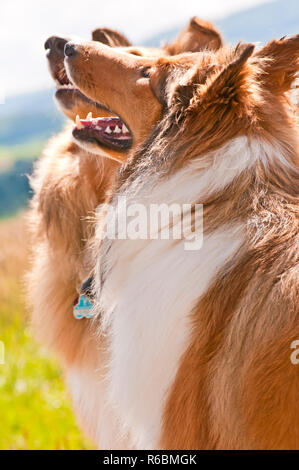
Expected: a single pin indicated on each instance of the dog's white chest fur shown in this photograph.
(148, 296)
(89, 394)
(150, 323)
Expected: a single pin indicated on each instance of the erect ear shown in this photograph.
(198, 35)
(281, 63)
(171, 84)
(110, 37)
(158, 79)
(231, 87)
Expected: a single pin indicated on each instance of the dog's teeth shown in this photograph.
(117, 130)
(78, 123)
(89, 115)
(108, 130)
(125, 129)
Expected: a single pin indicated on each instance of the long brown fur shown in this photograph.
(236, 387)
(68, 184)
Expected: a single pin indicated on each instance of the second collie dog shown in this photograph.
(200, 341)
(69, 181)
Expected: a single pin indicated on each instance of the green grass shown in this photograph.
(24, 151)
(35, 410)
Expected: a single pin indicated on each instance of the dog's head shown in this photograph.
(108, 129)
(212, 94)
(72, 102)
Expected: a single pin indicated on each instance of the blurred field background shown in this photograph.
(35, 409)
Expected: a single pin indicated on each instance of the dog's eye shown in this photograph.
(145, 72)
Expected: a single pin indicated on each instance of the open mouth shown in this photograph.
(58, 72)
(66, 93)
(108, 131)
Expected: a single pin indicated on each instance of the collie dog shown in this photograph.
(69, 182)
(200, 341)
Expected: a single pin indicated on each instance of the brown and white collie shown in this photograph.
(69, 181)
(200, 341)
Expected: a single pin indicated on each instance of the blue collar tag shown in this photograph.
(83, 308)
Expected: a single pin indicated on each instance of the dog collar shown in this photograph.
(82, 308)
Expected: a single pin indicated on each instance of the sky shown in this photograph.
(26, 24)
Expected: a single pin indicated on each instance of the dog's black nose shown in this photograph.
(56, 44)
(69, 49)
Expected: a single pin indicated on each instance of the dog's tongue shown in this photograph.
(108, 131)
(111, 126)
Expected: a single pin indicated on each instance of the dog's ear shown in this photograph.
(160, 77)
(110, 37)
(231, 88)
(198, 35)
(280, 64)
(184, 86)
(172, 85)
